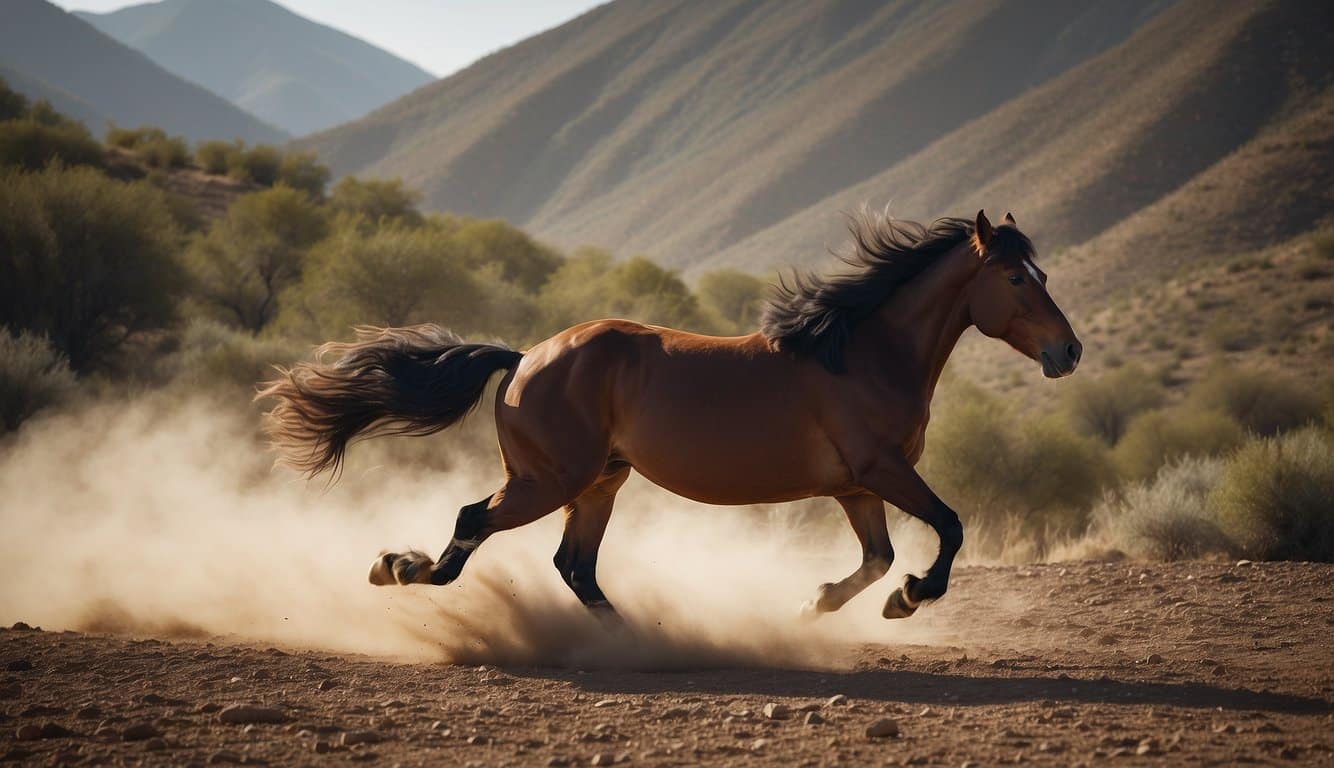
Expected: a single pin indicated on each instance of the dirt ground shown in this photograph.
(1065, 664)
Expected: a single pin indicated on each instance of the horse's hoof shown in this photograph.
(897, 606)
(809, 611)
(393, 568)
(382, 570)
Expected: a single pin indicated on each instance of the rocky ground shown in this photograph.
(1192, 664)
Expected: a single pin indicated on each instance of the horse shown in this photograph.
(829, 398)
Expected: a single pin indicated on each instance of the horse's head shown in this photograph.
(1008, 299)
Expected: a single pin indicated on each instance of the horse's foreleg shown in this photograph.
(585, 522)
(866, 514)
(894, 480)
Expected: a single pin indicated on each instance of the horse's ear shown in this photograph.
(1009, 219)
(983, 232)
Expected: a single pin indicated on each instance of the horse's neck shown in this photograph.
(923, 320)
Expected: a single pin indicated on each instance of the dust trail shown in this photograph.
(161, 517)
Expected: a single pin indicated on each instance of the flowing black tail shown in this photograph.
(390, 381)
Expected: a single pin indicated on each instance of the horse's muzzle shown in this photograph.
(1060, 360)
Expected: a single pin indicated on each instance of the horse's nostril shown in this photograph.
(1074, 349)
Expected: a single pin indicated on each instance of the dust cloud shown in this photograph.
(162, 517)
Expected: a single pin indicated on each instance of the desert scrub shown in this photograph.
(33, 376)
(1168, 517)
(33, 145)
(1103, 407)
(1261, 402)
(1276, 497)
(1156, 438)
(151, 145)
(215, 157)
(225, 361)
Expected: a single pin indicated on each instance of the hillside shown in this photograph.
(100, 79)
(288, 70)
(731, 134)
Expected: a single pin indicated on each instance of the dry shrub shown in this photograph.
(33, 376)
(33, 145)
(1156, 438)
(1103, 407)
(1167, 518)
(1261, 402)
(1276, 497)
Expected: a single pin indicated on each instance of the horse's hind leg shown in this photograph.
(866, 514)
(585, 522)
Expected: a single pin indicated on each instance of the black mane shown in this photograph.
(815, 315)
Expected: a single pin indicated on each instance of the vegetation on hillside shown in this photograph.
(110, 290)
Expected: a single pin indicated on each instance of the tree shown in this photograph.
(86, 261)
(494, 243)
(248, 257)
(737, 298)
(375, 202)
(589, 285)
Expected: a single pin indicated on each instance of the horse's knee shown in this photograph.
(877, 566)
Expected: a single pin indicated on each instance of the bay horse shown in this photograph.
(829, 398)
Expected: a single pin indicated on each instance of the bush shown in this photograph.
(492, 243)
(1103, 407)
(1156, 438)
(33, 376)
(301, 170)
(1261, 402)
(216, 358)
(33, 146)
(1275, 497)
(990, 464)
(589, 286)
(151, 145)
(1167, 518)
(393, 277)
(216, 157)
(260, 164)
(253, 253)
(735, 298)
(375, 202)
(13, 105)
(87, 262)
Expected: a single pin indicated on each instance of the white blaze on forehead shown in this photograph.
(1032, 270)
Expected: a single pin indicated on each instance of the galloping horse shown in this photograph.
(830, 398)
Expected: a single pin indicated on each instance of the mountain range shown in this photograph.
(734, 132)
(288, 70)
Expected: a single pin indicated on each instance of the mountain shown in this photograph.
(288, 70)
(733, 133)
(48, 53)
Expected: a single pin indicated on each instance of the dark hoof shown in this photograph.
(897, 606)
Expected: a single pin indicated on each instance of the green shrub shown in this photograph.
(259, 164)
(736, 298)
(492, 243)
(151, 145)
(375, 202)
(394, 277)
(302, 170)
(1167, 518)
(590, 285)
(1156, 438)
(1275, 497)
(13, 105)
(1103, 407)
(42, 112)
(32, 145)
(253, 253)
(1263, 403)
(217, 157)
(87, 262)
(33, 376)
(214, 357)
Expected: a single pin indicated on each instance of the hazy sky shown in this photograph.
(440, 36)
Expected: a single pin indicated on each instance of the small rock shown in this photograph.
(327, 685)
(813, 718)
(18, 665)
(558, 762)
(675, 713)
(155, 744)
(604, 758)
(352, 738)
(837, 700)
(882, 728)
(90, 712)
(1244, 563)
(21, 626)
(1153, 658)
(239, 714)
(105, 732)
(322, 747)
(759, 745)
(55, 731)
(1227, 728)
(140, 732)
(29, 732)
(439, 725)
(605, 703)
(152, 699)
(224, 756)
(774, 711)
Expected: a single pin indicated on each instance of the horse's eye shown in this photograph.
(1016, 279)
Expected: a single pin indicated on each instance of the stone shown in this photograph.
(352, 738)
(773, 711)
(882, 728)
(140, 732)
(604, 758)
(155, 744)
(225, 756)
(605, 703)
(837, 700)
(322, 747)
(327, 685)
(18, 665)
(29, 732)
(242, 714)
(813, 718)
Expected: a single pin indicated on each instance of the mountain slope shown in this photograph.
(47, 46)
(288, 70)
(679, 128)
